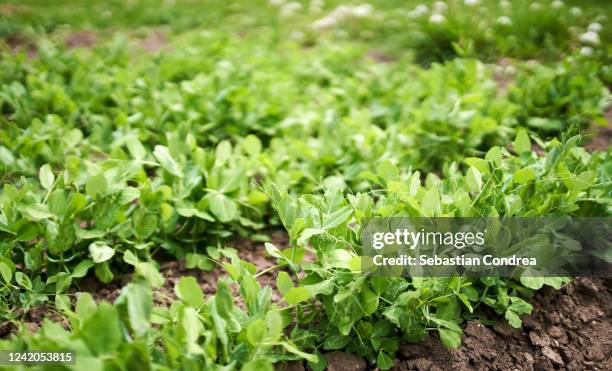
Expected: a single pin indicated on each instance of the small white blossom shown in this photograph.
(440, 6)
(276, 2)
(325, 23)
(590, 37)
(557, 4)
(505, 4)
(422, 8)
(419, 11)
(471, 2)
(575, 11)
(587, 51)
(535, 6)
(342, 11)
(437, 19)
(290, 9)
(504, 21)
(317, 3)
(363, 10)
(595, 27)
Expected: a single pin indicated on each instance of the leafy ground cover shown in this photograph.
(154, 134)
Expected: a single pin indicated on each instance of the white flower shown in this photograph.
(317, 3)
(557, 4)
(471, 2)
(419, 11)
(590, 37)
(437, 19)
(575, 11)
(535, 6)
(587, 51)
(290, 9)
(362, 10)
(325, 23)
(422, 8)
(504, 21)
(440, 6)
(595, 27)
(276, 2)
(505, 4)
(342, 11)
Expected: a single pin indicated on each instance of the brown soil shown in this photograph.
(380, 57)
(18, 43)
(602, 136)
(569, 329)
(81, 39)
(9, 10)
(154, 42)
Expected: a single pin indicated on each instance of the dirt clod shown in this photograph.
(338, 361)
(568, 329)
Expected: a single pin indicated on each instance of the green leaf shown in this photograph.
(139, 307)
(5, 272)
(383, 361)
(256, 332)
(582, 181)
(222, 207)
(192, 328)
(136, 149)
(297, 295)
(102, 331)
(524, 175)
(46, 177)
(337, 217)
(251, 145)
(307, 234)
(150, 273)
(474, 179)
(283, 283)
(387, 171)
(368, 301)
(188, 290)
(274, 322)
(97, 185)
(103, 272)
(81, 269)
(431, 202)
(36, 212)
(513, 319)
(130, 258)
(293, 349)
(100, 253)
(520, 306)
(162, 154)
(144, 224)
(258, 364)
(335, 341)
(536, 283)
(522, 143)
(85, 306)
(494, 155)
(24, 281)
(62, 302)
(223, 152)
(450, 338)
